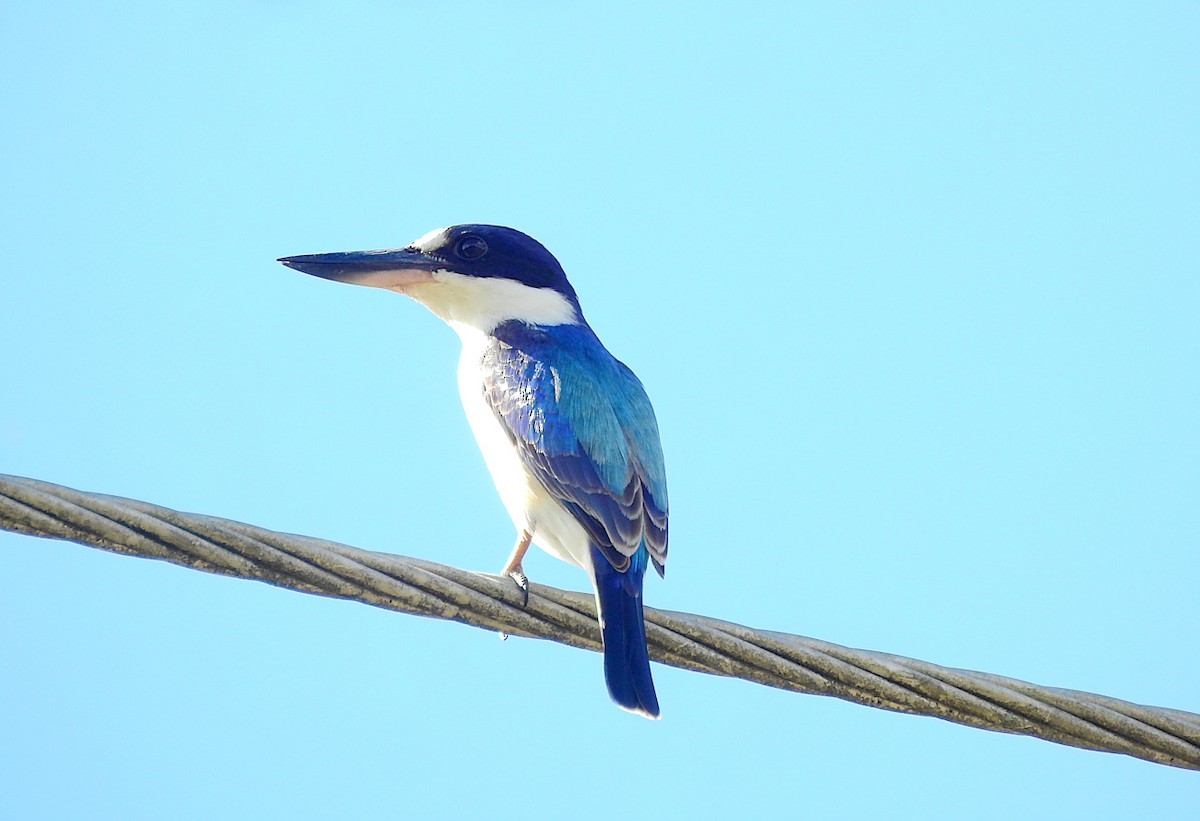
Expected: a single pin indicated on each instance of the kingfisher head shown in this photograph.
(471, 275)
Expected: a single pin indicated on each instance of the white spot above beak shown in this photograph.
(433, 239)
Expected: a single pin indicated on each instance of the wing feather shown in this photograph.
(584, 427)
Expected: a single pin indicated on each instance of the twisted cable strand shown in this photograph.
(683, 640)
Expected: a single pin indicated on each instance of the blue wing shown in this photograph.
(585, 427)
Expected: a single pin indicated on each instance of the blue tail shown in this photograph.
(626, 661)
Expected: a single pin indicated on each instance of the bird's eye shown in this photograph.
(471, 247)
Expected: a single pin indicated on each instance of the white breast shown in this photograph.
(527, 502)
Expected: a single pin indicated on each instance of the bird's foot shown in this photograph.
(513, 568)
(517, 574)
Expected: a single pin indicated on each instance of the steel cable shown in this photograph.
(682, 640)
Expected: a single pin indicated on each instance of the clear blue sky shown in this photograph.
(914, 290)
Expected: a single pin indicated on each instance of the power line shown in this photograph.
(683, 640)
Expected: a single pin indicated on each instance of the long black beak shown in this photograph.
(393, 268)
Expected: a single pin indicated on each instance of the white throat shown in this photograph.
(481, 303)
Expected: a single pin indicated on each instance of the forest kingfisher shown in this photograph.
(566, 429)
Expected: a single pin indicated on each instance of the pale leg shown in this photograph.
(513, 568)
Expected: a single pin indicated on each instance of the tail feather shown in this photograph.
(626, 659)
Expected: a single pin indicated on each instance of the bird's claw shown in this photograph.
(518, 576)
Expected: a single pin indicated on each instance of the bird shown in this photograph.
(566, 429)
